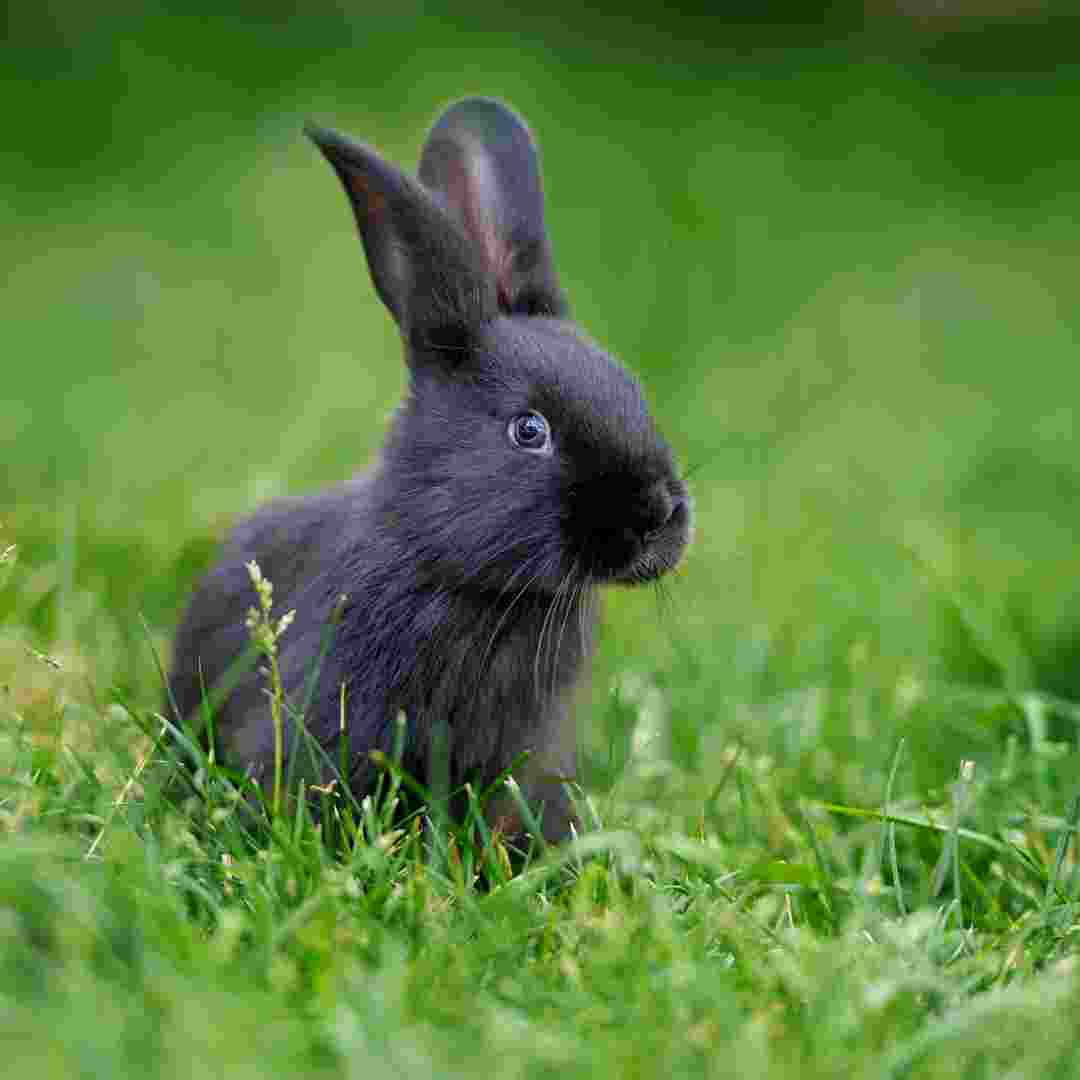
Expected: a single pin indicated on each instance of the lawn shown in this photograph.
(831, 781)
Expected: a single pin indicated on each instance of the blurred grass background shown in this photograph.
(841, 251)
(841, 247)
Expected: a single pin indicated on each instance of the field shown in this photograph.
(831, 782)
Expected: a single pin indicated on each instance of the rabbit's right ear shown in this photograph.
(425, 268)
(480, 159)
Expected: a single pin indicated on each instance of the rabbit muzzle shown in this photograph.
(648, 541)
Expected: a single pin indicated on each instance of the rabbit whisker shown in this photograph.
(549, 619)
(509, 607)
(540, 639)
(585, 611)
(572, 602)
(494, 556)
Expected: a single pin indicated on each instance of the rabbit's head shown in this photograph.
(524, 456)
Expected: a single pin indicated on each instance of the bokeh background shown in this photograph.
(840, 246)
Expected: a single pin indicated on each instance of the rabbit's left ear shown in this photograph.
(481, 162)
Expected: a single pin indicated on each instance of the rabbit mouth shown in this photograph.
(630, 556)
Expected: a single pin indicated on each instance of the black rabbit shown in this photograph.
(521, 471)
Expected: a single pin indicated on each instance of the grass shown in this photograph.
(830, 775)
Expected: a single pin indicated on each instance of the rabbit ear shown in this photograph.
(426, 270)
(480, 160)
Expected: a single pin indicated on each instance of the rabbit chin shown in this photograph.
(648, 566)
(652, 560)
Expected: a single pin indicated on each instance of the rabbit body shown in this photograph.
(521, 471)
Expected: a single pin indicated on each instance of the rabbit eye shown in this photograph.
(530, 431)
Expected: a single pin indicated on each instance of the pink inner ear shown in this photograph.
(472, 191)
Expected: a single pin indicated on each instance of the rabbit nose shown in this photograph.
(652, 511)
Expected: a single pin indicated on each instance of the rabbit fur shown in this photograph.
(521, 471)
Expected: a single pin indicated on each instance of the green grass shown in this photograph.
(846, 276)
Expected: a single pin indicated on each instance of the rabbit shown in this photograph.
(521, 472)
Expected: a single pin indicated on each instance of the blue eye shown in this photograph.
(530, 431)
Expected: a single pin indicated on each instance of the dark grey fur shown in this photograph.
(469, 563)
